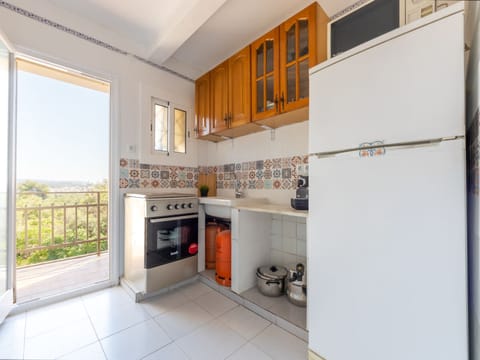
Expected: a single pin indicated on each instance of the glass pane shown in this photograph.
(269, 46)
(260, 107)
(303, 79)
(303, 37)
(4, 85)
(260, 61)
(161, 128)
(291, 83)
(291, 53)
(270, 99)
(179, 141)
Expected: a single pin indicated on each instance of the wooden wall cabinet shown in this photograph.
(266, 82)
(230, 91)
(202, 105)
(219, 97)
(281, 60)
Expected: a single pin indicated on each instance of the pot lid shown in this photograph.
(273, 272)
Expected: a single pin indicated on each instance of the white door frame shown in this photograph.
(114, 191)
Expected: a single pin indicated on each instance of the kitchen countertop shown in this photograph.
(254, 204)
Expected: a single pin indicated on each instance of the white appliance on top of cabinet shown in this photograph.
(387, 250)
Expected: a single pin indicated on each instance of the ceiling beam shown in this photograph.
(182, 28)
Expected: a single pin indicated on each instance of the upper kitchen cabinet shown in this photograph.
(265, 75)
(231, 93)
(202, 105)
(219, 97)
(281, 60)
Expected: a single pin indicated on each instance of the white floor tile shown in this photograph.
(135, 342)
(244, 322)
(12, 337)
(183, 320)
(215, 303)
(250, 352)
(214, 341)
(60, 341)
(195, 289)
(90, 352)
(112, 310)
(169, 352)
(280, 345)
(295, 314)
(164, 303)
(47, 318)
(104, 299)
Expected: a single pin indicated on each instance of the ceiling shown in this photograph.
(186, 36)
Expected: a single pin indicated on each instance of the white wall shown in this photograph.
(472, 37)
(286, 141)
(130, 79)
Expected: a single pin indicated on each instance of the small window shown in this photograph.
(180, 139)
(160, 126)
(169, 128)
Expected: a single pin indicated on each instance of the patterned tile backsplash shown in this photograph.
(276, 174)
(134, 175)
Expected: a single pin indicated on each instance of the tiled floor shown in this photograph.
(191, 322)
(278, 306)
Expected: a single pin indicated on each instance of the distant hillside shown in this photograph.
(52, 184)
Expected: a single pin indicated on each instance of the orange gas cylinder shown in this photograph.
(224, 258)
(210, 248)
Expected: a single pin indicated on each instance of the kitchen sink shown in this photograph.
(218, 206)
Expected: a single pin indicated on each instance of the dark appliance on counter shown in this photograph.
(300, 202)
(161, 240)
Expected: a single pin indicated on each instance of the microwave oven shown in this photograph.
(364, 23)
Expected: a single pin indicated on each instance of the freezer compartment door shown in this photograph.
(408, 88)
(387, 255)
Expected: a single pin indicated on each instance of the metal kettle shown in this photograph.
(297, 286)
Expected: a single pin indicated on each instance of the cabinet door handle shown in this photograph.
(276, 103)
(226, 120)
(282, 100)
(230, 118)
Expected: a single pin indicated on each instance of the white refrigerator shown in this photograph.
(387, 257)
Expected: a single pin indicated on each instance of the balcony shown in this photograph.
(61, 241)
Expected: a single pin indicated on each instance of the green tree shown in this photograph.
(33, 186)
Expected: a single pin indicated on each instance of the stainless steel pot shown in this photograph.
(297, 286)
(271, 280)
(297, 293)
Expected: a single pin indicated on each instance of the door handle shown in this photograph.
(282, 100)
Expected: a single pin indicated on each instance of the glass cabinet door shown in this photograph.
(297, 39)
(265, 75)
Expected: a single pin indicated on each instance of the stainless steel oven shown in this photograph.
(170, 239)
(161, 240)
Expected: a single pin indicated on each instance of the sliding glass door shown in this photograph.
(6, 296)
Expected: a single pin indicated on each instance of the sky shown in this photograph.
(62, 130)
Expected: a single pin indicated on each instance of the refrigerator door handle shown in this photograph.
(381, 145)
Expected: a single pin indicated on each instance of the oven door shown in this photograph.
(169, 239)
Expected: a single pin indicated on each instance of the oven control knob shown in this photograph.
(169, 207)
(177, 206)
(190, 205)
(154, 208)
(184, 206)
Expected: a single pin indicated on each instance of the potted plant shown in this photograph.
(203, 190)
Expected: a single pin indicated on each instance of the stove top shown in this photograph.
(159, 195)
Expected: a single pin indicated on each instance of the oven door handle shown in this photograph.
(157, 220)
